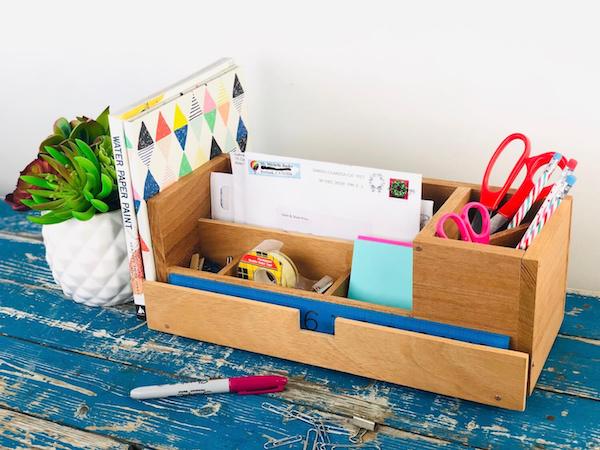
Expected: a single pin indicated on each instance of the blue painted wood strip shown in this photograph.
(320, 316)
(110, 333)
(573, 366)
(92, 394)
(16, 222)
(582, 316)
(21, 431)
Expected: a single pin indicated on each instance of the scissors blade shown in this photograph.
(497, 222)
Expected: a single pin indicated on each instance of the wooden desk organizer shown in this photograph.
(487, 287)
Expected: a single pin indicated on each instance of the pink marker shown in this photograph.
(262, 384)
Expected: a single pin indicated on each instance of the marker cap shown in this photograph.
(257, 384)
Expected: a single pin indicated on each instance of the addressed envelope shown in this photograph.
(325, 199)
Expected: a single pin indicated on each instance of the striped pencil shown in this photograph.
(558, 186)
(544, 215)
(539, 184)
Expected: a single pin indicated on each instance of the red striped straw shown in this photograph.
(540, 183)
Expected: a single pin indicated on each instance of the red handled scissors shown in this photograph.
(493, 199)
(464, 222)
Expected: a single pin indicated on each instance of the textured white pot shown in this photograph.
(89, 259)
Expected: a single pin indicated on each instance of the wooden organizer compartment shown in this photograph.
(496, 287)
(522, 303)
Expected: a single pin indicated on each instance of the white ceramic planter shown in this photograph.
(89, 259)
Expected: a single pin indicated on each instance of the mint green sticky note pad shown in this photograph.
(382, 273)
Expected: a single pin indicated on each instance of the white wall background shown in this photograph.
(430, 87)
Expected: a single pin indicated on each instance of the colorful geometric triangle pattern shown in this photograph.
(180, 126)
(215, 150)
(162, 128)
(185, 167)
(179, 120)
(151, 187)
(221, 95)
(224, 111)
(145, 145)
(128, 143)
(136, 201)
(143, 245)
(237, 87)
(242, 135)
(195, 110)
(196, 126)
(181, 134)
(209, 111)
(238, 94)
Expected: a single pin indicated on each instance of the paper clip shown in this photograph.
(307, 439)
(283, 441)
(285, 412)
(367, 446)
(358, 437)
(336, 429)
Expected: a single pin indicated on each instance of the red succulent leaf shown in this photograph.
(35, 167)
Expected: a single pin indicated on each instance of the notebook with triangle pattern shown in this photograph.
(165, 137)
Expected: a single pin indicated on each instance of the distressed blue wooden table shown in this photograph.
(66, 371)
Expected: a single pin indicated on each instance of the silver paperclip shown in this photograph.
(322, 432)
(277, 409)
(367, 446)
(336, 429)
(307, 418)
(283, 441)
(307, 439)
(358, 437)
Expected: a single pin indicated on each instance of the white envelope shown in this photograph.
(325, 199)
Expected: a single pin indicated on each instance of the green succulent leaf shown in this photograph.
(37, 181)
(89, 167)
(54, 139)
(57, 155)
(87, 131)
(62, 127)
(51, 218)
(36, 198)
(43, 194)
(81, 174)
(99, 205)
(61, 169)
(48, 205)
(74, 174)
(85, 215)
(103, 120)
(86, 151)
(28, 202)
(107, 186)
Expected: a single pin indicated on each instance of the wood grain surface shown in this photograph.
(474, 372)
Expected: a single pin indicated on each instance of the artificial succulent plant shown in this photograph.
(73, 176)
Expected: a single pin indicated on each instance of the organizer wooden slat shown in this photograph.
(487, 287)
(474, 372)
(176, 209)
(328, 256)
(544, 287)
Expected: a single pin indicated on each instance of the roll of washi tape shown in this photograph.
(272, 267)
